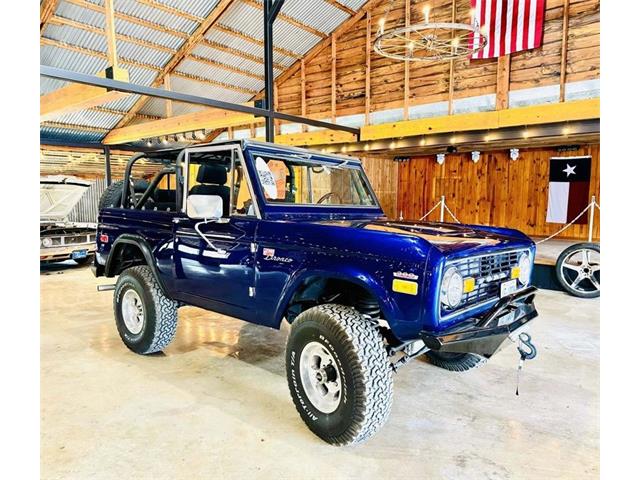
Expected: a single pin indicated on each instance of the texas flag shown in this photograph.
(568, 189)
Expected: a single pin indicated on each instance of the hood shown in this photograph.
(446, 237)
(58, 196)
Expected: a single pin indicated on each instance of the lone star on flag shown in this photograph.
(570, 170)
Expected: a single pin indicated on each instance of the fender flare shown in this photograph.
(143, 245)
(358, 278)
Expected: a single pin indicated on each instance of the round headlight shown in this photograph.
(47, 242)
(524, 264)
(451, 290)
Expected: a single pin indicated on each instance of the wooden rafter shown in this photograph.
(290, 20)
(94, 53)
(255, 41)
(340, 6)
(563, 56)
(47, 9)
(326, 43)
(224, 66)
(205, 119)
(239, 53)
(130, 18)
(171, 10)
(367, 73)
(184, 50)
(110, 33)
(57, 20)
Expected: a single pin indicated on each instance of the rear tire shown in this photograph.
(454, 362)
(337, 345)
(146, 319)
(112, 196)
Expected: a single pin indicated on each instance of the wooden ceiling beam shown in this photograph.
(57, 20)
(47, 9)
(223, 66)
(239, 53)
(326, 43)
(215, 83)
(340, 6)
(171, 10)
(207, 119)
(75, 97)
(255, 41)
(288, 19)
(184, 50)
(130, 18)
(94, 53)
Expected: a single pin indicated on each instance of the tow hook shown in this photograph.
(527, 351)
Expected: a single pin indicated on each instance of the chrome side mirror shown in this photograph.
(204, 207)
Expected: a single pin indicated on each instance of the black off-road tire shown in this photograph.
(454, 362)
(112, 196)
(357, 345)
(160, 312)
(84, 261)
(563, 281)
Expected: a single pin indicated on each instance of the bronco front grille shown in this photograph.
(488, 271)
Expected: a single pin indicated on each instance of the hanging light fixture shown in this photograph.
(475, 156)
(440, 158)
(514, 153)
(428, 41)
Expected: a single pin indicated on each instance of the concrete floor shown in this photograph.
(216, 403)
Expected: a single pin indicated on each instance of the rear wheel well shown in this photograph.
(123, 256)
(317, 290)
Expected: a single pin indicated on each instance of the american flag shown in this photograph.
(509, 25)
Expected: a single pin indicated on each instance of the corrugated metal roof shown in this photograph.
(204, 70)
(139, 10)
(69, 134)
(90, 118)
(241, 17)
(199, 8)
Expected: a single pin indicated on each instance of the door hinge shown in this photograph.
(254, 247)
(252, 291)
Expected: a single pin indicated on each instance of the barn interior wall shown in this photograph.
(494, 191)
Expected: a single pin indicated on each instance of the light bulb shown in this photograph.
(426, 11)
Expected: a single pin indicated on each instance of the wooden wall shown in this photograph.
(383, 175)
(495, 191)
(429, 82)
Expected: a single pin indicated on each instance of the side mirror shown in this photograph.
(204, 207)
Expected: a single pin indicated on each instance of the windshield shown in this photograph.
(305, 182)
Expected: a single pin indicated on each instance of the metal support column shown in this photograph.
(107, 164)
(271, 10)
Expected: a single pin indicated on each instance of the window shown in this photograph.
(308, 182)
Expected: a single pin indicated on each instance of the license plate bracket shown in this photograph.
(508, 287)
(78, 254)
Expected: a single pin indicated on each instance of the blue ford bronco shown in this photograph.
(272, 234)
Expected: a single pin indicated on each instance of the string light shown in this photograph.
(411, 46)
(381, 26)
(164, 141)
(525, 133)
(392, 145)
(343, 149)
(423, 141)
(455, 43)
(366, 147)
(149, 143)
(566, 130)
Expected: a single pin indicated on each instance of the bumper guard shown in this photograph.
(486, 335)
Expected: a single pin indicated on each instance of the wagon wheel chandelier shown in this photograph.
(426, 41)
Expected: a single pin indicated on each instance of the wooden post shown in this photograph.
(333, 77)
(442, 209)
(563, 56)
(367, 74)
(502, 88)
(405, 101)
(168, 107)
(592, 210)
(110, 33)
(450, 97)
(303, 92)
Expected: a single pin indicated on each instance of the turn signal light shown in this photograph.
(469, 285)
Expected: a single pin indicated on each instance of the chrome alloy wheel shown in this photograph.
(320, 377)
(132, 311)
(581, 270)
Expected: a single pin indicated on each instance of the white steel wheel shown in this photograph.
(320, 377)
(132, 311)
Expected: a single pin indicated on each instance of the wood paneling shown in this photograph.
(430, 82)
(495, 191)
(383, 175)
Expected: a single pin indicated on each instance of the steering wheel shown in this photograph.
(327, 196)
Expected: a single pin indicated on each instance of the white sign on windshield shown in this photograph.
(267, 180)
